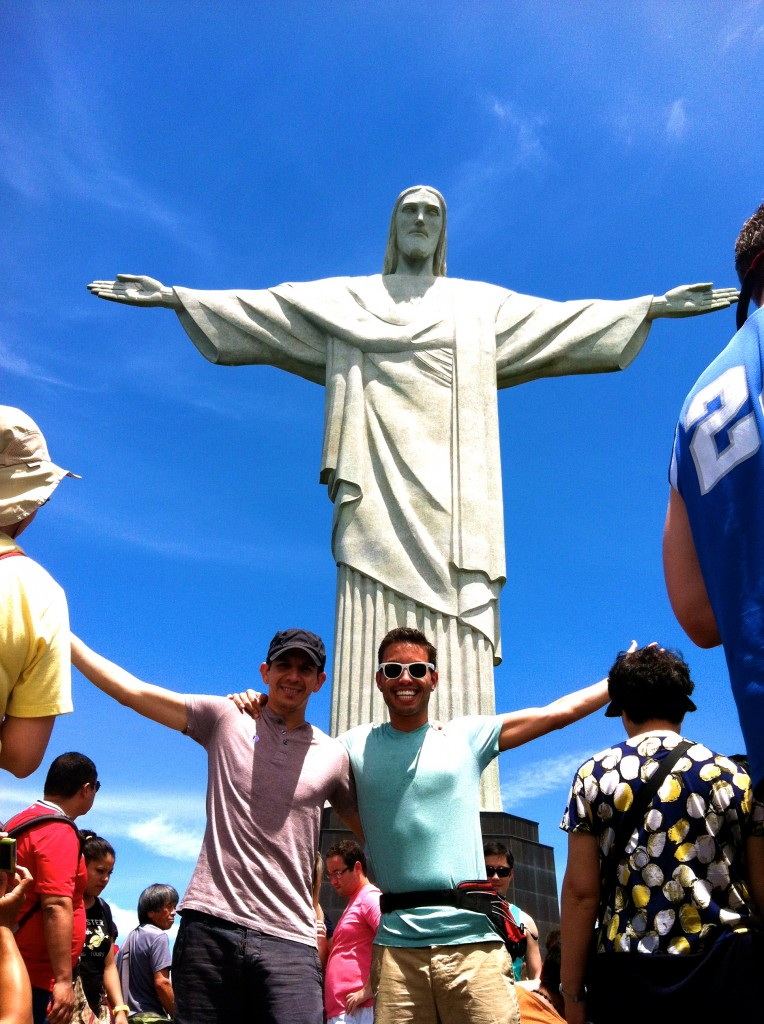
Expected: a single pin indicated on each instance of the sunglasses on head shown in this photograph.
(490, 870)
(416, 669)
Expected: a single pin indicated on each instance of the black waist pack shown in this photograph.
(477, 896)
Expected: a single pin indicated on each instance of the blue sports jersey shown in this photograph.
(718, 468)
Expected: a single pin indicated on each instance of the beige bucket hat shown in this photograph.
(27, 476)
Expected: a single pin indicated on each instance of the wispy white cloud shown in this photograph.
(746, 26)
(521, 134)
(165, 838)
(125, 920)
(14, 363)
(176, 834)
(541, 778)
(642, 119)
(264, 556)
(676, 123)
(513, 141)
(61, 140)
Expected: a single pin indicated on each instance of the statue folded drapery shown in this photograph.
(411, 361)
(411, 447)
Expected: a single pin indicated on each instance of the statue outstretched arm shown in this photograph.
(135, 290)
(691, 300)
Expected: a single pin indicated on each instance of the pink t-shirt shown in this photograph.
(349, 962)
(266, 787)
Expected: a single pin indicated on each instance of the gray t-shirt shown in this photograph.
(146, 952)
(265, 791)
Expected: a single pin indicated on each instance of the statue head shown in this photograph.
(391, 253)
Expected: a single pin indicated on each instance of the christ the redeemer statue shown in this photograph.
(411, 361)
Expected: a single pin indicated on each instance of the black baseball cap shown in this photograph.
(300, 640)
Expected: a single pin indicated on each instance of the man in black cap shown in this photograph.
(35, 673)
(247, 941)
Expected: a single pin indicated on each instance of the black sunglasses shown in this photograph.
(490, 870)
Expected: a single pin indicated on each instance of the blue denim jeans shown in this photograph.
(223, 973)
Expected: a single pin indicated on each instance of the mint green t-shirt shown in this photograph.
(419, 800)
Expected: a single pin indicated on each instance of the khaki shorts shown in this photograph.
(469, 984)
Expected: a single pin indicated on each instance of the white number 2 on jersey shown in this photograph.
(743, 441)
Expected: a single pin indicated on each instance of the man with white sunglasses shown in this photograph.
(418, 795)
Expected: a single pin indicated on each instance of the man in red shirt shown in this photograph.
(51, 925)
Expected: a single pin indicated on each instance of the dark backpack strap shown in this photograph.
(390, 901)
(642, 800)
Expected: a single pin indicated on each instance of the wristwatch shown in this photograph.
(574, 999)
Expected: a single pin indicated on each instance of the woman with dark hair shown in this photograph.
(98, 976)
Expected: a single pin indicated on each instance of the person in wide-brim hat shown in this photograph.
(34, 616)
(28, 477)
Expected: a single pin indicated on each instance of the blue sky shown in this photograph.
(584, 150)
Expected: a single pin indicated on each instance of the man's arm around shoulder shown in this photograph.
(164, 706)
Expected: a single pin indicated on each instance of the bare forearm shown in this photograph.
(577, 918)
(154, 702)
(575, 706)
(533, 958)
(165, 994)
(111, 983)
(57, 920)
(521, 727)
(15, 992)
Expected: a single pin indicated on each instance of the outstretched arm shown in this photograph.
(135, 290)
(691, 300)
(684, 579)
(163, 706)
(520, 727)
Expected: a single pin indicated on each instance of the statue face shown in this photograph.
(418, 224)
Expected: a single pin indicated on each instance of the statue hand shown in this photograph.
(250, 701)
(135, 290)
(692, 300)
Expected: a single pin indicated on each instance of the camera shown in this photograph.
(8, 855)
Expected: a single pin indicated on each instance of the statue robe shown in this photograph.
(411, 448)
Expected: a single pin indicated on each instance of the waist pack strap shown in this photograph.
(476, 900)
(390, 901)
